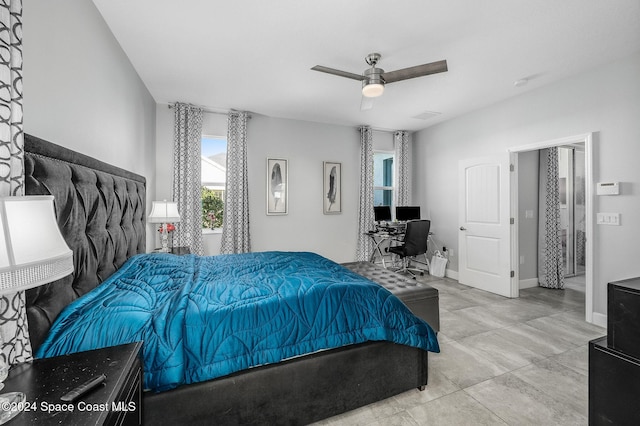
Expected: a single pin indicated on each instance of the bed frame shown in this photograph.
(101, 212)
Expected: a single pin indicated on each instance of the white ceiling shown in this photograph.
(256, 55)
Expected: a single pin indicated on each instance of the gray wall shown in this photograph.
(605, 100)
(81, 91)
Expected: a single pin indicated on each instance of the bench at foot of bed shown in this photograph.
(421, 298)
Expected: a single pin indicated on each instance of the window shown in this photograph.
(213, 170)
(383, 186)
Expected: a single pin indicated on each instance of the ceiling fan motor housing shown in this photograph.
(373, 76)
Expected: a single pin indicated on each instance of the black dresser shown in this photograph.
(614, 360)
(117, 402)
(614, 386)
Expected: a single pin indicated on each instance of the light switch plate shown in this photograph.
(608, 219)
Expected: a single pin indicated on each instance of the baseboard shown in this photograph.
(599, 319)
(450, 273)
(528, 283)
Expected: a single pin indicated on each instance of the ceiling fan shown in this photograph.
(374, 79)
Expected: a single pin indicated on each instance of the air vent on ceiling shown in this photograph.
(427, 115)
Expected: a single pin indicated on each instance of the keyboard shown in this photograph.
(391, 226)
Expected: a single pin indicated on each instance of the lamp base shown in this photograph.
(165, 239)
(11, 404)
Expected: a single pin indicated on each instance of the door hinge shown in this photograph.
(512, 168)
(513, 274)
(512, 221)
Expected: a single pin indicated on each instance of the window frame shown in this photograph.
(203, 184)
(393, 186)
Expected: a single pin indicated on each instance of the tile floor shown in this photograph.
(503, 362)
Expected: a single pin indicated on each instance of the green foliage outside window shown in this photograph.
(212, 209)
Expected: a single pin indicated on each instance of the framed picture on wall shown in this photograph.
(277, 175)
(332, 192)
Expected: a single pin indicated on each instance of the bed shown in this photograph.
(101, 212)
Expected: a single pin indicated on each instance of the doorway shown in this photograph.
(576, 213)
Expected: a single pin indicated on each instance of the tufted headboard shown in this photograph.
(101, 214)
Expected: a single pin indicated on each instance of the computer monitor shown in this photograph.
(405, 213)
(382, 213)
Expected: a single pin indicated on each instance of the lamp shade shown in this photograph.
(164, 212)
(372, 90)
(32, 250)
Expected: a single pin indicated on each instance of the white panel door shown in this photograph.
(484, 241)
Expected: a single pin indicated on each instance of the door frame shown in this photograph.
(587, 139)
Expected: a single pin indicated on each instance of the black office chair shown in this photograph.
(415, 243)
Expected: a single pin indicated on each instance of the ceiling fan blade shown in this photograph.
(338, 72)
(417, 71)
(366, 103)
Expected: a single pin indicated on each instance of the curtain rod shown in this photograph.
(210, 111)
(378, 129)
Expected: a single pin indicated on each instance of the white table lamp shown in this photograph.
(164, 212)
(32, 253)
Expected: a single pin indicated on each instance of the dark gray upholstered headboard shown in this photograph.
(101, 213)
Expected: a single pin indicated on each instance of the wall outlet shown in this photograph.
(450, 251)
(522, 260)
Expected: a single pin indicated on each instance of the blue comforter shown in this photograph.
(206, 317)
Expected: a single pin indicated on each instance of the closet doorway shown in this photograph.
(576, 213)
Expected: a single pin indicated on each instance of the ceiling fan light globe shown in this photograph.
(372, 90)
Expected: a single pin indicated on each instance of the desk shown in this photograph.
(379, 237)
(395, 232)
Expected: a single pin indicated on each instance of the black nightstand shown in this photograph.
(180, 250)
(44, 381)
(176, 250)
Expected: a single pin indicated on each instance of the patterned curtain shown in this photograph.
(14, 331)
(235, 228)
(401, 144)
(365, 210)
(187, 190)
(550, 260)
